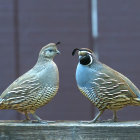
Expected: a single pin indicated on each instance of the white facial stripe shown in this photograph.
(90, 59)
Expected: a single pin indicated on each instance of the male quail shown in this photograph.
(103, 86)
(36, 87)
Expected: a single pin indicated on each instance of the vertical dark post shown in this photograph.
(16, 41)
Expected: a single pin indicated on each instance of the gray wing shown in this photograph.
(123, 82)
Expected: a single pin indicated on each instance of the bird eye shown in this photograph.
(50, 50)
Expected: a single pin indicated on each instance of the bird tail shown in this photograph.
(136, 101)
(1, 103)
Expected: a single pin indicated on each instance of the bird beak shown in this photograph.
(57, 52)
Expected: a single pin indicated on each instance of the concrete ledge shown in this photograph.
(14, 130)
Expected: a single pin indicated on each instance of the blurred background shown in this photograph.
(111, 28)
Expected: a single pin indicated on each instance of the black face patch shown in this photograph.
(85, 60)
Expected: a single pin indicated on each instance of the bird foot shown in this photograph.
(87, 122)
(82, 122)
(109, 121)
(51, 121)
(26, 121)
(39, 121)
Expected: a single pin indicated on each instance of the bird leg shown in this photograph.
(95, 119)
(27, 117)
(36, 117)
(115, 119)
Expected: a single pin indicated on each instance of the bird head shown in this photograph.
(86, 56)
(49, 51)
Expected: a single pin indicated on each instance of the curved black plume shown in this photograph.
(74, 51)
(58, 43)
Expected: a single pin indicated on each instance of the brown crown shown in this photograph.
(86, 49)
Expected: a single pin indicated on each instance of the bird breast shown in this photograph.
(84, 74)
(49, 74)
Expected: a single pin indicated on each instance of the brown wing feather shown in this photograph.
(128, 85)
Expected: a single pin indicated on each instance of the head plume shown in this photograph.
(74, 51)
(58, 43)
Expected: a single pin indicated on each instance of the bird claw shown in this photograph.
(86, 122)
(82, 122)
(51, 121)
(35, 121)
(26, 121)
(39, 121)
(108, 121)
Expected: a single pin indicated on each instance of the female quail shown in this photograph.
(36, 87)
(103, 86)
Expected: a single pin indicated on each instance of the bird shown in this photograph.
(36, 87)
(105, 87)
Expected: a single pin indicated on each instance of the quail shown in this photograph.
(103, 86)
(36, 87)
